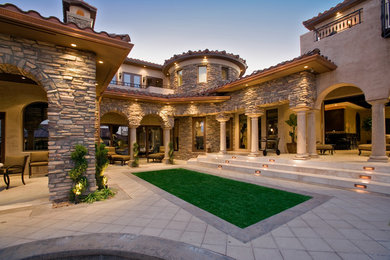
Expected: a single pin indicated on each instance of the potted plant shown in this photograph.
(292, 122)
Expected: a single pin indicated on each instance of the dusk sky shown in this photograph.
(264, 33)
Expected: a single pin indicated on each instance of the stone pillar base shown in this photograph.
(302, 157)
(384, 159)
(253, 154)
(315, 155)
(166, 161)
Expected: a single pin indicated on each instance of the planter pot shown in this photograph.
(292, 147)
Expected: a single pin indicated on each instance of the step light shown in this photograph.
(271, 160)
(219, 167)
(368, 168)
(257, 173)
(365, 177)
(227, 161)
(360, 186)
(234, 157)
(265, 165)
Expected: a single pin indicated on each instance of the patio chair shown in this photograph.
(38, 159)
(14, 165)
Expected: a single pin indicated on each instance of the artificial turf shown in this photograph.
(242, 204)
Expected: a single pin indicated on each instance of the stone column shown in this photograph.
(254, 132)
(133, 139)
(311, 119)
(301, 133)
(222, 119)
(167, 137)
(378, 153)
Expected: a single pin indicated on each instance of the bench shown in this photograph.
(325, 147)
(368, 147)
(156, 157)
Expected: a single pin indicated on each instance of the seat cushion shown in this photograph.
(39, 163)
(365, 147)
(120, 157)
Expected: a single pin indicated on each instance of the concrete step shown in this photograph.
(299, 166)
(291, 174)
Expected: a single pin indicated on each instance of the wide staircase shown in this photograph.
(374, 177)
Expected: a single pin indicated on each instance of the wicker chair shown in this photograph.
(14, 165)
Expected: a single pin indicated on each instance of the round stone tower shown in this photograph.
(194, 72)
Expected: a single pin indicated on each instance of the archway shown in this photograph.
(343, 112)
(114, 131)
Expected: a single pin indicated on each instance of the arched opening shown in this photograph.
(114, 131)
(150, 135)
(35, 127)
(344, 108)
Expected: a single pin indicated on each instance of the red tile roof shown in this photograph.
(143, 63)
(346, 4)
(55, 20)
(263, 71)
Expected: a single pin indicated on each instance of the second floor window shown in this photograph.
(225, 73)
(154, 82)
(202, 74)
(179, 77)
(132, 80)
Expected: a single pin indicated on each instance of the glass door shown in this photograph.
(2, 136)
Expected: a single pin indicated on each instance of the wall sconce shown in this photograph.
(120, 75)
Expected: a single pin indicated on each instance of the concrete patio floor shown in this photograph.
(350, 225)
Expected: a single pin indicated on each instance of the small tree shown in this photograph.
(367, 124)
(101, 164)
(170, 153)
(77, 174)
(135, 162)
(292, 121)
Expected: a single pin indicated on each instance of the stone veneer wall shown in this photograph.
(68, 77)
(190, 78)
(297, 89)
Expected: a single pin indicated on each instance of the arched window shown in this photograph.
(35, 127)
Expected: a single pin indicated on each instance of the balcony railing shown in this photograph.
(385, 19)
(339, 25)
(165, 89)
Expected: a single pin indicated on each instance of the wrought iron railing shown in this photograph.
(385, 18)
(133, 85)
(339, 25)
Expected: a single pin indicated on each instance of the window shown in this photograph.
(199, 134)
(243, 134)
(113, 81)
(334, 120)
(154, 82)
(202, 74)
(35, 127)
(179, 77)
(117, 136)
(132, 80)
(272, 123)
(225, 73)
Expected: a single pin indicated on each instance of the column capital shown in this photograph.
(134, 126)
(222, 117)
(302, 108)
(378, 101)
(254, 115)
(254, 112)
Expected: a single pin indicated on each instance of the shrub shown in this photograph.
(101, 164)
(77, 174)
(135, 162)
(99, 195)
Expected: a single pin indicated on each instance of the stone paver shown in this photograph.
(350, 225)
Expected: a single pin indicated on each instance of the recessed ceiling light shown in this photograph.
(144, 66)
(306, 67)
(100, 61)
(23, 77)
(73, 45)
(96, 84)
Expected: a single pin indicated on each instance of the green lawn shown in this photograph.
(239, 203)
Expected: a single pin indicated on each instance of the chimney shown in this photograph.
(80, 13)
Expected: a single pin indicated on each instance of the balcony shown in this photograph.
(339, 25)
(385, 19)
(141, 88)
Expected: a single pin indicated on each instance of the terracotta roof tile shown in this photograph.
(310, 53)
(309, 24)
(143, 62)
(52, 19)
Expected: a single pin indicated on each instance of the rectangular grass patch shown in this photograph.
(242, 204)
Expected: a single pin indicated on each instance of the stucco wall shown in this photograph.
(68, 78)
(361, 54)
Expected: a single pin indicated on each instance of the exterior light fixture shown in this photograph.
(265, 165)
(271, 160)
(360, 186)
(100, 61)
(365, 177)
(368, 168)
(73, 44)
